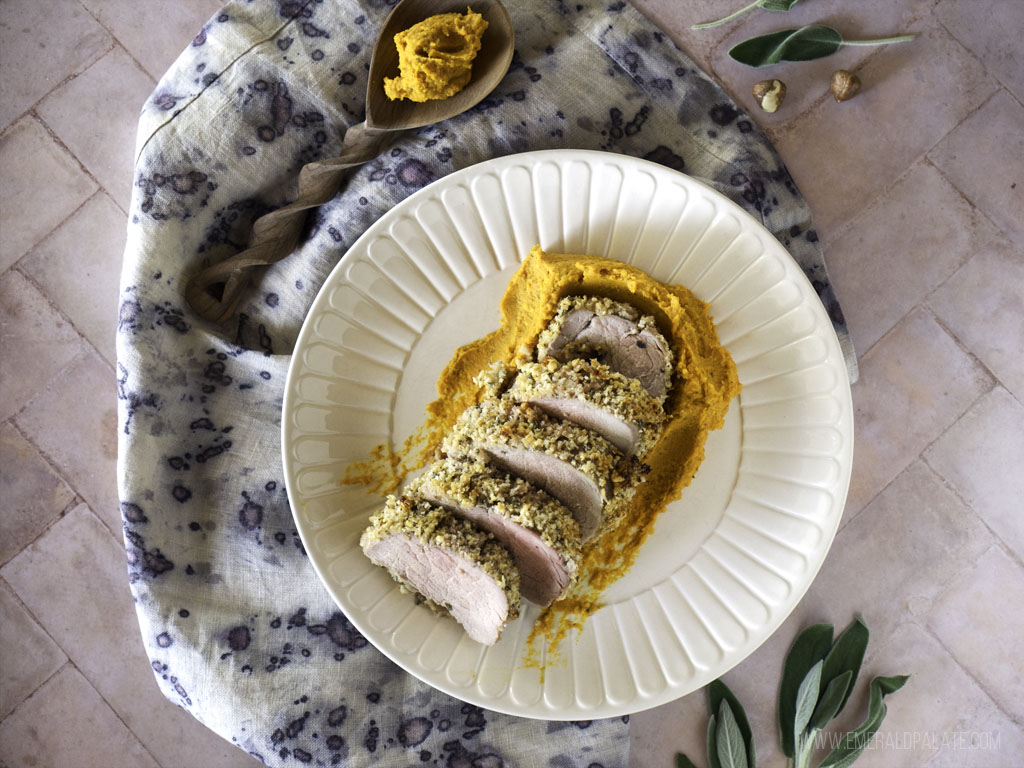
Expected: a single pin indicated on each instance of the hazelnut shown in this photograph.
(769, 94)
(844, 84)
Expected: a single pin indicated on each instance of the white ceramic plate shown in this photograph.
(726, 564)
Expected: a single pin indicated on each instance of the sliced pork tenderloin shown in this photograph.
(578, 467)
(589, 393)
(459, 569)
(613, 333)
(539, 531)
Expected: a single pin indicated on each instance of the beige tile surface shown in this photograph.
(917, 535)
(984, 157)
(838, 156)
(73, 420)
(914, 383)
(50, 51)
(133, 25)
(35, 341)
(94, 621)
(78, 266)
(905, 244)
(940, 717)
(66, 724)
(981, 456)
(30, 657)
(979, 621)
(34, 494)
(28, 208)
(96, 116)
(997, 45)
(981, 305)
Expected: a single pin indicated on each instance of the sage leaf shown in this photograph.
(831, 700)
(778, 5)
(806, 700)
(719, 692)
(815, 41)
(803, 44)
(732, 752)
(713, 760)
(811, 646)
(846, 656)
(856, 741)
(682, 761)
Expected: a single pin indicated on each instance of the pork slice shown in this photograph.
(538, 531)
(613, 333)
(459, 569)
(574, 465)
(579, 492)
(590, 394)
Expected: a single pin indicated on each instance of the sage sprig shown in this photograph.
(818, 676)
(730, 742)
(817, 680)
(768, 5)
(815, 41)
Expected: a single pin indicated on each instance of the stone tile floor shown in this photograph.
(918, 190)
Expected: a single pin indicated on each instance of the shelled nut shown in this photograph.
(769, 94)
(844, 84)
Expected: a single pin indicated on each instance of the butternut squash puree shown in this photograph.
(435, 57)
(704, 381)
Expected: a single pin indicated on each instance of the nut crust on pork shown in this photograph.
(539, 531)
(578, 467)
(591, 394)
(428, 549)
(614, 333)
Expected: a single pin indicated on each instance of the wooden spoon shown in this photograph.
(214, 292)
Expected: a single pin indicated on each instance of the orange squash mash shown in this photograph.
(435, 56)
(704, 382)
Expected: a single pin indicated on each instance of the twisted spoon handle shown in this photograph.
(214, 292)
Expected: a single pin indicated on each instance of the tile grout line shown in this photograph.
(32, 107)
(920, 455)
(997, 78)
(50, 461)
(48, 235)
(72, 665)
(67, 663)
(949, 486)
(973, 206)
(70, 507)
(66, 318)
(60, 143)
(997, 382)
(981, 686)
(981, 212)
(66, 510)
(116, 39)
(41, 626)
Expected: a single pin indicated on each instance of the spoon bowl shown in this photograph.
(215, 291)
(489, 66)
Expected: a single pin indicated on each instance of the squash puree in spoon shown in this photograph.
(435, 57)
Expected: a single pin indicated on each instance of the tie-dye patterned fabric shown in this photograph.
(239, 630)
